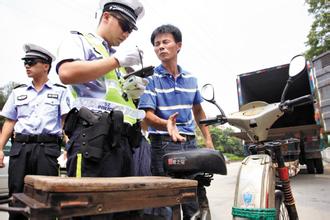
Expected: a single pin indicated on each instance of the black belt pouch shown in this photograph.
(135, 135)
(93, 139)
(70, 122)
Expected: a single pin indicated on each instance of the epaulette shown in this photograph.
(76, 32)
(59, 85)
(20, 85)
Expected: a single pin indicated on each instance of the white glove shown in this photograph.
(129, 57)
(135, 86)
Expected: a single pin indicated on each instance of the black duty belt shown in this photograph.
(167, 138)
(41, 138)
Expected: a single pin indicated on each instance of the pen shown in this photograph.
(140, 57)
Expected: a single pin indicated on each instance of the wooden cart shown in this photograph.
(45, 197)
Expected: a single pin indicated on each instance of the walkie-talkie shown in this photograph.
(144, 72)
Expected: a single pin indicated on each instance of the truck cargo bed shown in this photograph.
(267, 85)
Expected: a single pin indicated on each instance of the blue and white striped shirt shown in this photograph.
(166, 95)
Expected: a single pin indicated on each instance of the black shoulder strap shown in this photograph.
(76, 32)
(20, 85)
(60, 85)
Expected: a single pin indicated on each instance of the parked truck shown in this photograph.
(309, 123)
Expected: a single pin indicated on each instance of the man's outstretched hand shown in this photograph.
(172, 128)
(2, 164)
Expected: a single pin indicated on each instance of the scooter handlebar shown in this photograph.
(215, 120)
(303, 100)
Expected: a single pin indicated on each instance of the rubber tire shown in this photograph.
(310, 166)
(206, 215)
(319, 165)
(281, 210)
(202, 215)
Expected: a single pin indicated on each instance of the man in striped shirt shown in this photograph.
(170, 100)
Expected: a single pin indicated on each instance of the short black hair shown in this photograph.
(167, 28)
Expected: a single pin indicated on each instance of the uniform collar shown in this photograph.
(48, 84)
(104, 42)
(161, 70)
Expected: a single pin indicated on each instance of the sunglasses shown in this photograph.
(124, 25)
(32, 61)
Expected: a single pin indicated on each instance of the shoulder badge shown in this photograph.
(60, 85)
(76, 32)
(20, 85)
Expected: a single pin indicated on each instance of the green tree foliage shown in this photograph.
(319, 34)
(222, 140)
(4, 93)
(2, 99)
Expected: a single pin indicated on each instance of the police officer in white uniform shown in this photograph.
(34, 113)
(102, 124)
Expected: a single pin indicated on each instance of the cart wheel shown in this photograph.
(319, 165)
(310, 166)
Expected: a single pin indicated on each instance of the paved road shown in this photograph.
(312, 194)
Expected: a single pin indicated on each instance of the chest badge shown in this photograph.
(52, 96)
(21, 97)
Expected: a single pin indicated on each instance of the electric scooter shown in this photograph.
(263, 188)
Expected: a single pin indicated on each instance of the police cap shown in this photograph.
(35, 51)
(131, 10)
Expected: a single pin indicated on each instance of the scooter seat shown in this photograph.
(195, 161)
